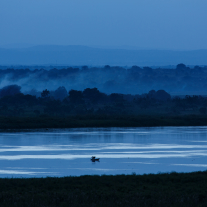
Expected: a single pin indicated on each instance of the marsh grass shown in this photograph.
(173, 189)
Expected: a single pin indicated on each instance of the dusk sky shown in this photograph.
(148, 24)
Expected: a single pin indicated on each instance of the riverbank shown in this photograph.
(174, 189)
(100, 121)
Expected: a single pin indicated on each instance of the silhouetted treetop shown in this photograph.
(45, 93)
(60, 93)
(181, 66)
(10, 90)
(162, 95)
(92, 94)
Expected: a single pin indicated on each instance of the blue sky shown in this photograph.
(149, 24)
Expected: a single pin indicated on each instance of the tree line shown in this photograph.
(61, 102)
(108, 79)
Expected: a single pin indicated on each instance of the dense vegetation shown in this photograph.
(92, 101)
(134, 80)
(89, 107)
(92, 108)
(174, 189)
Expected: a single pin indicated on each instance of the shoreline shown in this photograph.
(51, 122)
(165, 189)
(153, 190)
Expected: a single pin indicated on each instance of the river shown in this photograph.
(67, 152)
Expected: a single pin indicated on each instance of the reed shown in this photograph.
(169, 189)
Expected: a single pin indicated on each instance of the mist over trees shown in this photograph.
(9, 90)
(135, 80)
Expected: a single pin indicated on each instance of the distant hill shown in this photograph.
(82, 55)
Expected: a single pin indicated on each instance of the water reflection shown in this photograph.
(122, 150)
(97, 147)
(150, 154)
(20, 172)
(192, 165)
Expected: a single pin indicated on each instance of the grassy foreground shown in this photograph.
(174, 189)
(101, 121)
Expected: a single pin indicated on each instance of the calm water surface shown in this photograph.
(121, 151)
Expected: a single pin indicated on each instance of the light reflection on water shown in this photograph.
(121, 151)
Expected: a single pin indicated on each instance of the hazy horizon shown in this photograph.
(162, 25)
(111, 47)
(82, 55)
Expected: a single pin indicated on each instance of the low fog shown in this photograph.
(135, 80)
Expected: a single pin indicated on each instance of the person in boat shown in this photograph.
(93, 159)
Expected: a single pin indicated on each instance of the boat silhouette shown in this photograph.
(94, 159)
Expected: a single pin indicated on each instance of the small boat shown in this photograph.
(93, 159)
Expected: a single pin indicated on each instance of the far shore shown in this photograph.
(52, 122)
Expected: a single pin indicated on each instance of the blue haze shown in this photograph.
(145, 24)
(83, 55)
